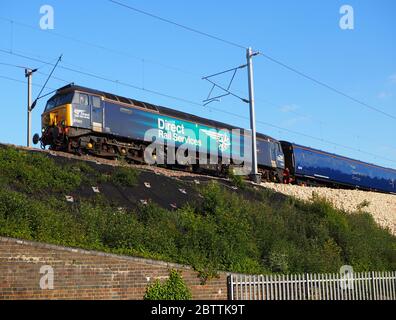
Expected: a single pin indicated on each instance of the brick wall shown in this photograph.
(81, 274)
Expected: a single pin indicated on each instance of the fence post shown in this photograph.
(265, 288)
(370, 285)
(379, 278)
(256, 288)
(367, 285)
(230, 287)
(387, 284)
(374, 285)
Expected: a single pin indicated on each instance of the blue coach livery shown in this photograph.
(312, 164)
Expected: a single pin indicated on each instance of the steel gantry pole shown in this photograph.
(28, 75)
(31, 106)
(255, 176)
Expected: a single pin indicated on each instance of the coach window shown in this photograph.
(96, 102)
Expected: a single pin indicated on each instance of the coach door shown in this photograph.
(97, 114)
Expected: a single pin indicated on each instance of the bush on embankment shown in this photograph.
(224, 231)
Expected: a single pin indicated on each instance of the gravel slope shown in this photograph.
(381, 206)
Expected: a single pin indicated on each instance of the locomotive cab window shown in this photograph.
(96, 102)
(58, 100)
(50, 104)
(83, 99)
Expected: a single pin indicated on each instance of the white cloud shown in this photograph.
(384, 95)
(293, 121)
(288, 108)
(297, 119)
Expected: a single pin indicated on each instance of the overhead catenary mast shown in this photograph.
(28, 75)
(255, 176)
(32, 105)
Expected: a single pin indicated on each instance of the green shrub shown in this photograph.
(173, 288)
(124, 177)
(49, 221)
(35, 173)
(225, 231)
(89, 175)
(279, 257)
(236, 180)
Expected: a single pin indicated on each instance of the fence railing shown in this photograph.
(332, 286)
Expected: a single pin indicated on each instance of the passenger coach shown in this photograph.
(318, 167)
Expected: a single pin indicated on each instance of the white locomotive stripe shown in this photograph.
(320, 176)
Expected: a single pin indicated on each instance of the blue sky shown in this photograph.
(132, 48)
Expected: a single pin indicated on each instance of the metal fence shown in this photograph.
(350, 286)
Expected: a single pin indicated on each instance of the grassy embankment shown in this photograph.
(225, 231)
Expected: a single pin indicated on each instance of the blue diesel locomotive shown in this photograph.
(79, 119)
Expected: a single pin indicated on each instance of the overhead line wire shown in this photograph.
(284, 65)
(98, 46)
(23, 82)
(178, 24)
(194, 103)
(302, 74)
(103, 78)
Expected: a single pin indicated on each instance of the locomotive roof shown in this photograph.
(152, 107)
